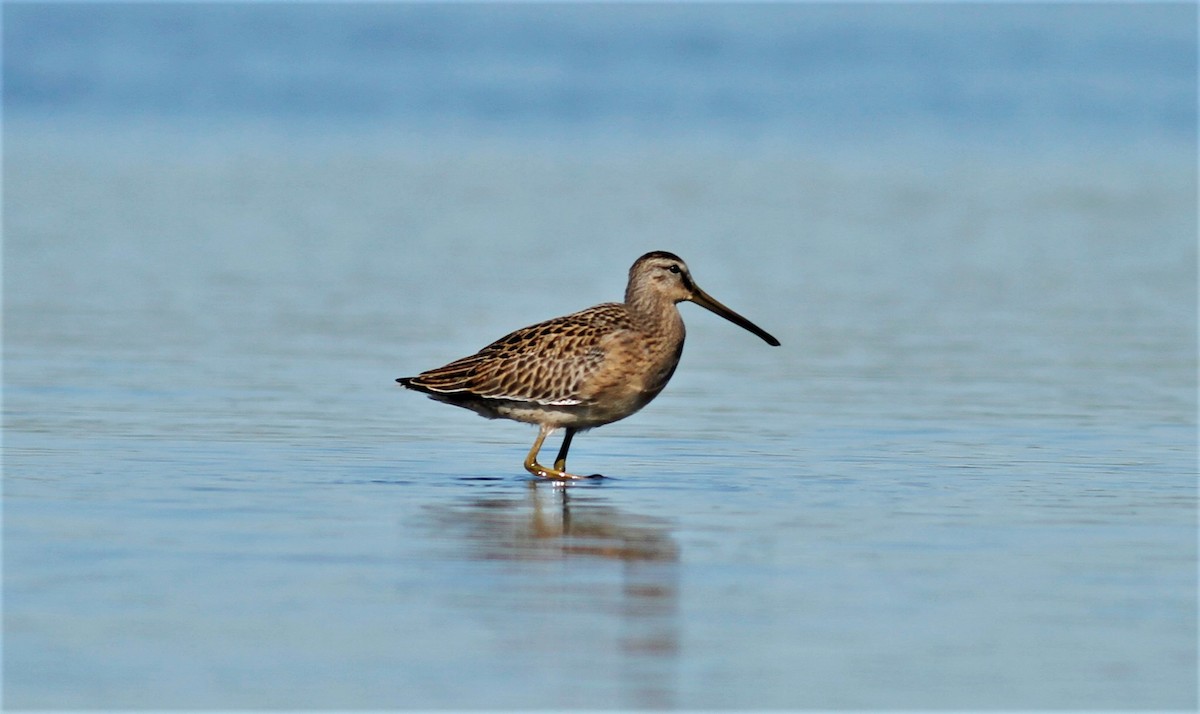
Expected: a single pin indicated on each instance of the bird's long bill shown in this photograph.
(705, 300)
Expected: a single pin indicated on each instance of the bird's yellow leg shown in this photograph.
(533, 467)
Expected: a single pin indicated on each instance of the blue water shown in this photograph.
(812, 72)
(966, 480)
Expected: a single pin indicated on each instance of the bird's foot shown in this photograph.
(555, 473)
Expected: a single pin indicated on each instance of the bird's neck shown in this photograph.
(657, 315)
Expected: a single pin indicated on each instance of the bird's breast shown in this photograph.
(634, 370)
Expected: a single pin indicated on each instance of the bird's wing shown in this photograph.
(547, 363)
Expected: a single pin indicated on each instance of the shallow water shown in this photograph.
(966, 480)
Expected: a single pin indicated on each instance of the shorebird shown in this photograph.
(585, 369)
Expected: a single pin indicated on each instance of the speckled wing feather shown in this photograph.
(546, 363)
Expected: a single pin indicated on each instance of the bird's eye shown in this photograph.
(673, 268)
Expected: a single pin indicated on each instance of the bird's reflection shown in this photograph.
(549, 522)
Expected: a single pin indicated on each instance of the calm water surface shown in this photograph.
(967, 479)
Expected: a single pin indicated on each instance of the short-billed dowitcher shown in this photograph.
(585, 369)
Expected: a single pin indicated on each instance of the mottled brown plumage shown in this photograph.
(585, 369)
